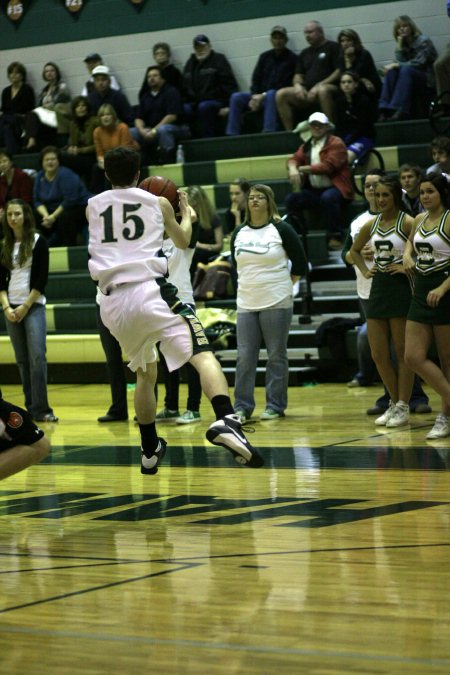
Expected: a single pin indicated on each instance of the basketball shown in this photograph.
(162, 187)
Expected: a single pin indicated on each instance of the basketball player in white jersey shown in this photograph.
(140, 308)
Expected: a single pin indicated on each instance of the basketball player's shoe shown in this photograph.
(150, 463)
(228, 433)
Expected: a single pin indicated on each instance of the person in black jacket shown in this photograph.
(208, 84)
(18, 99)
(354, 57)
(275, 69)
(158, 122)
(162, 55)
(354, 116)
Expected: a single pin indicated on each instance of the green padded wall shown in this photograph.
(106, 18)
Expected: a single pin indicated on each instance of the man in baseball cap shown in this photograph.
(201, 40)
(208, 82)
(279, 30)
(320, 176)
(93, 61)
(274, 69)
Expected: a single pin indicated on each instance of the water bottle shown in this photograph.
(180, 155)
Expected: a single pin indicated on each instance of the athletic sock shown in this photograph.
(222, 406)
(149, 438)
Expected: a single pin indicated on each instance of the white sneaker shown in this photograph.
(382, 420)
(189, 417)
(440, 428)
(400, 415)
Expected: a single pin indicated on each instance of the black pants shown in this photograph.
(115, 368)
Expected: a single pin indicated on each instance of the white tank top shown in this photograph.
(125, 237)
(432, 246)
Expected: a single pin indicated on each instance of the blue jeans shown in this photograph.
(168, 136)
(206, 114)
(329, 200)
(398, 86)
(367, 368)
(239, 104)
(28, 340)
(273, 325)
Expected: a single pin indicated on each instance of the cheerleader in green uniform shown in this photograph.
(390, 296)
(427, 254)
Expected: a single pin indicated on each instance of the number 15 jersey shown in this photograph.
(126, 229)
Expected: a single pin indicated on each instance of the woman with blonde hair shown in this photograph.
(269, 258)
(412, 70)
(210, 238)
(111, 133)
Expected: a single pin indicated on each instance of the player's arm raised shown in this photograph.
(180, 233)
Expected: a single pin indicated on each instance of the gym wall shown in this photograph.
(238, 28)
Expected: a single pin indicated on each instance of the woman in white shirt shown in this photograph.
(24, 263)
(269, 258)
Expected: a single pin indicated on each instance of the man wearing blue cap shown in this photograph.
(208, 82)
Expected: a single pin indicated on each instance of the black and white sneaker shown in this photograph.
(150, 464)
(228, 433)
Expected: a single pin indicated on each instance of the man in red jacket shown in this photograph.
(320, 177)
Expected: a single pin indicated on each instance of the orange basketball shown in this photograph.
(162, 187)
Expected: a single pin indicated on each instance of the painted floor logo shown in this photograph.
(202, 509)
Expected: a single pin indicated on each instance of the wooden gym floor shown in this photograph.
(333, 558)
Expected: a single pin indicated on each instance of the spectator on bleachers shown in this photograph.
(354, 57)
(390, 297)
(111, 133)
(17, 100)
(158, 124)
(354, 116)
(274, 70)
(235, 214)
(208, 82)
(411, 72)
(60, 199)
(261, 249)
(442, 73)
(80, 152)
(162, 55)
(210, 235)
(410, 176)
(14, 182)
(24, 264)
(92, 61)
(319, 171)
(316, 77)
(440, 150)
(104, 93)
(52, 112)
